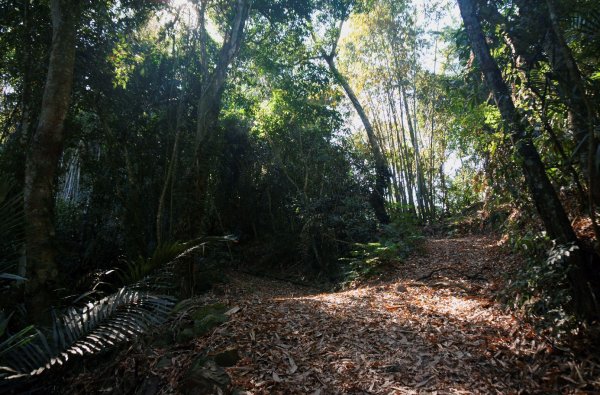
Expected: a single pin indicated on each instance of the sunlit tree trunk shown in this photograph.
(381, 170)
(417, 158)
(45, 151)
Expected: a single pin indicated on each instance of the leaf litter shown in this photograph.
(430, 325)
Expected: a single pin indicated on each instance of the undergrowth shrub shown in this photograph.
(395, 242)
(540, 289)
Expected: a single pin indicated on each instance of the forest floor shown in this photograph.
(430, 325)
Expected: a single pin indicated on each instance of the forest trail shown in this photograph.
(429, 325)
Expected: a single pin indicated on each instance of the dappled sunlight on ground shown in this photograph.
(431, 326)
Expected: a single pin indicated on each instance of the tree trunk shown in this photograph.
(209, 106)
(417, 158)
(381, 170)
(45, 151)
(521, 49)
(546, 200)
(582, 114)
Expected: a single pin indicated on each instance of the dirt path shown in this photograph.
(429, 326)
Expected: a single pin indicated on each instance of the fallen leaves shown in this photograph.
(412, 333)
(232, 311)
(402, 336)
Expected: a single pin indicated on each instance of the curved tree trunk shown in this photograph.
(523, 51)
(582, 115)
(45, 151)
(209, 105)
(381, 169)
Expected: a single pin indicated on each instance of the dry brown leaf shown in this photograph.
(232, 310)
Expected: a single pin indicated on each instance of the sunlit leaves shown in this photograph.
(125, 62)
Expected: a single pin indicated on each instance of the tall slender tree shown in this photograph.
(382, 174)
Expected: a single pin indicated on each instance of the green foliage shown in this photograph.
(140, 268)
(524, 234)
(465, 189)
(370, 259)
(396, 242)
(541, 289)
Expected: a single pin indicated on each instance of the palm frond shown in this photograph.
(583, 26)
(104, 323)
(157, 273)
(94, 328)
(138, 270)
(587, 23)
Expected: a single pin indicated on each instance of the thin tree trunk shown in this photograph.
(394, 154)
(432, 140)
(170, 170)
(381, 170)
(407, 158)
(44, 154)
(401, 162)
(417, 158)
